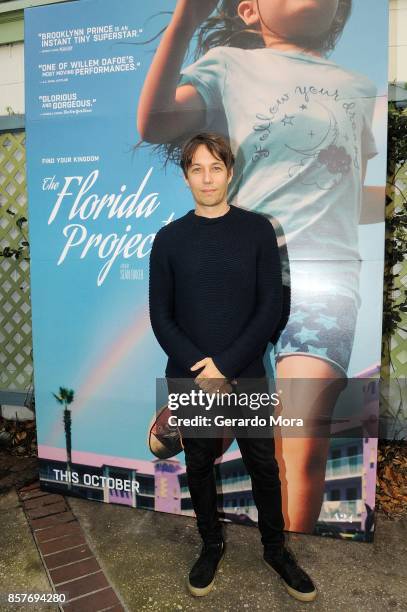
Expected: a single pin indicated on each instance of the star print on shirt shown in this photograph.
(318, 351)
(299, 317)
(306, 334)
(289, 347)
(327, 322)
(288, 119)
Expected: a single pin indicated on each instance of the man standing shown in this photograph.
(215, 301)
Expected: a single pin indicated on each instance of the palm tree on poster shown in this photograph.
(65, 398)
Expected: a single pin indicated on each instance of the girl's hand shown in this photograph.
(195, 11)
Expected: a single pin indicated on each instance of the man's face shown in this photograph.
(208, 178)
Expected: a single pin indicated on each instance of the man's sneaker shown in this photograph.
(202, 575)
(295, 580)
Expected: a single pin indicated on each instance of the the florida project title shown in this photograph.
(78, 200)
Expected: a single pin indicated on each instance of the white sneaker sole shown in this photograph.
(201, 592)
(296, 594)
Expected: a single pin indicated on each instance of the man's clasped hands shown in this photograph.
(210, 379)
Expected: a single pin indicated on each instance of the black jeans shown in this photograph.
(259, 459)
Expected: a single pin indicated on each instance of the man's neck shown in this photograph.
(211, 212)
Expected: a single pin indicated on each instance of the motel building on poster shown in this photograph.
(162, 484)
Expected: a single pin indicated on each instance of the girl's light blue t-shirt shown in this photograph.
(300, 128)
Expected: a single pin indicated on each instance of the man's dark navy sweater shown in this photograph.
(216, 291)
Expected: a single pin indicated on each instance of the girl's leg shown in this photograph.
(302, 461)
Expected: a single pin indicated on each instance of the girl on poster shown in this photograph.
(300, 128)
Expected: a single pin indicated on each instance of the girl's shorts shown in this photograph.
(320, 325)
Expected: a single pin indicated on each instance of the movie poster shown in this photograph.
(309, 135)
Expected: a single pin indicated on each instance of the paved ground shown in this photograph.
(146, 555)
(21, 569)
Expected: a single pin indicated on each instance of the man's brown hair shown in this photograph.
(217, 145)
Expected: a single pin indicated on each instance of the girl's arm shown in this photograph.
(372, 201)
(165, 111)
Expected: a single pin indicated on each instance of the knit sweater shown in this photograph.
(215, 290)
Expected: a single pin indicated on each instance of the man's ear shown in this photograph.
(247, 11)
(230, 176)
(186, 179)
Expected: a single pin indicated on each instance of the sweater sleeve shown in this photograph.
(267, 316)
(174, 342)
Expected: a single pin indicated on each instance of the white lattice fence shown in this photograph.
(399, 338)
(15, 311)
